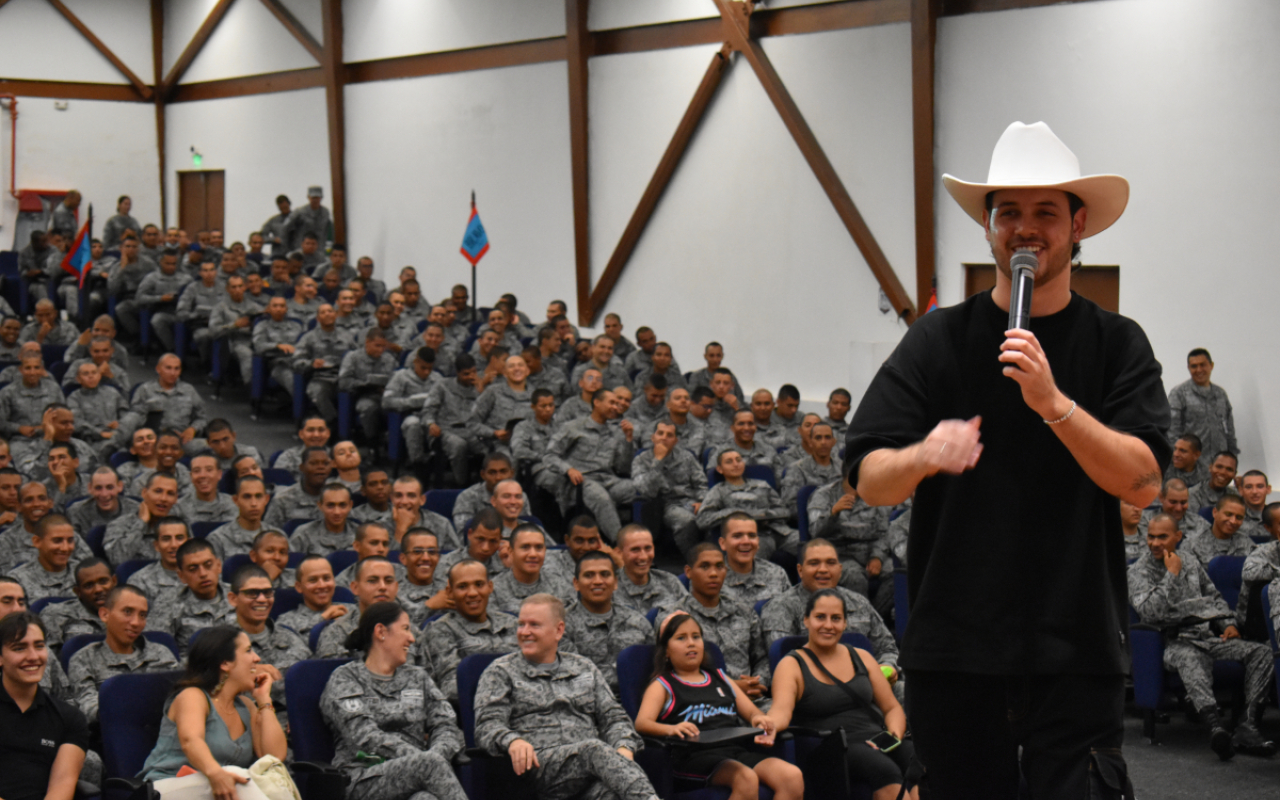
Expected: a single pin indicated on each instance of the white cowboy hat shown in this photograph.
(1032, 157)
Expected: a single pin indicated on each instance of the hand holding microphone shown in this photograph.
(1022, 268)
(1021, 353)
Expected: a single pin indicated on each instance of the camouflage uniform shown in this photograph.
(1191, 524)
(566, 711)
(474, 499)
(406, 394)
(453, 637)
(702, 377)
(553, 380)
(129, 539)
(1260, 567)
(1192, 615)
(195, 308)
(65, 620)
(281, 647)
(222, 325)
(678, 482)
(509, 593)
(24, 405)
(93, 664)
(784, 616)
(859, 535)
(120, 379)
(348, 577)
(493, 564)
(808, 472)
(150, 293)
(303, 220)
(16, 547)
(180, 408)
(94, 409)
(316, 538)
(181, 613)
(366, 379)
(662, 588)
(674, 379)
(302, 619)
(496, 406)
(601, 637)
(573, 408)
(529, 442)
(1206, 412)
(602, 454)
(268, 333)
(414, 597)
(333, 639)
(613, 374)
(39, 583)
(291, 502)
(734, 628)
(322, 384)
(155, 580)
(690, 436)
(449, 406)
(63, 332)
(762, 502)
(404, 720)
(193, 509)
(1134, 547)
(1197, 475)
(233, 539)
(765, 581)
(760, 454)
(367, 513)
(1204, 496)
(1206, 547)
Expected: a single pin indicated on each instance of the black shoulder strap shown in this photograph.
(845, 687)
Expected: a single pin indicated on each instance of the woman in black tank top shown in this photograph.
(827, 685)
(689, 695)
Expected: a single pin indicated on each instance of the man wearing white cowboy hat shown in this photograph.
(1018, 629)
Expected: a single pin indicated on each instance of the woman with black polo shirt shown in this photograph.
(42, 739)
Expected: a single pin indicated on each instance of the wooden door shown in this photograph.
(200, 200)
(1101, 284)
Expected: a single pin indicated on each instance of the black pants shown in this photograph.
(968, 729)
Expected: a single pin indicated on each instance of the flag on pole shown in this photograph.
(475, 242)
(933, 301)
(78, 256)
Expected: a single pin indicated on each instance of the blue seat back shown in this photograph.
(469, 671)
(342, 559)
(94, 539)
(286, 601)
(125, 571)
(1206, 513)
(313, 638)
(1226, 574)
(292, 525)
(786, 644)
(233, 563)
(309, 733)
(278, 477)
(635, 664)
(441, 501)
(200, 530)
(130, 708)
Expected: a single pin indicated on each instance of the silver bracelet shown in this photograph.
(1062, 418)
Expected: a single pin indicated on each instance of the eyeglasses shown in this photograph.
(254, 594)
(424, 551)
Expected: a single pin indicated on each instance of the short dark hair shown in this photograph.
(539, 394)
(1200, 351)
(657, 381)
(1228, 454)
(841, 392)
(15, 626)
(701, 392)
(1193, 440)
(590, 555)
(191, 547)
(464, 361)
(1074, 204)
(360, 565)
(488, 518)
(89, 563)
(426, 354)
(692, 554)
(218, 425)
(1229, 498)
(496, 455)
(243, 574)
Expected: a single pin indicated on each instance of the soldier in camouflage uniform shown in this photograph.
(860, 534)
(424, 590)
(1225, 538)
(205, 503)
(594, 624)
(237, 536)
(446, 418)
(727, 623)
(1173, 592)
(131, 536)
(527, 575)
(313, 579)
(691, 431)
(660, 365)
(275, 338)
(1201, 407)
(545, 375)
(93, 582)
(1186, 464)
(752, 496)
(484, 544)
(395, 735)
(125, 650)
(407, 392)
(471, 626)
(495, 469)
(579, 405)
(408, 503)
(749, 578)
(197, 303)
(22, 403)
(643, 587)
(95, 406)
(1221, 480)
(251, 595)
(530, 438)
(313, 219)
(365, 373)
(179, 406)
(818, 467)
(743, 440)
(302, 500)
(1261, 567)
(161, 575)
(594, 455)
(159, 292)
(1135, 541)
(232, 321)
(819, 568)
(501, 402)
(375, 583)
(670, 475)
(552, 713)
(1254, 491)
(319, 358)
(200, 603)
(602, 360)
(1174, 502)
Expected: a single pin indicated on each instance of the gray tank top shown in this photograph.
(167, 757)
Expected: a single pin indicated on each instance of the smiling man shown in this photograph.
(278, 647)
(314, 581)
(471, 626)
(375, 582)
(1068, 415)
(93, 580)
(202, 600)
(527, 576)
(1201, 407)
(597, 627)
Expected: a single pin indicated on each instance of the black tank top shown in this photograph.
(709, 705)
(824, 706)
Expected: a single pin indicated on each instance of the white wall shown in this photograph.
(417, 148)
(248, 41)
(1178, 96)
(390, 28)
(268, 144)
(104, 149)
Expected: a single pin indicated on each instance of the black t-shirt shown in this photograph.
(1017, 566)
(29, 742)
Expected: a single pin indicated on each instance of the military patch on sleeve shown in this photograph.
(352, 704)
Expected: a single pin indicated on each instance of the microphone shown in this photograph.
(1022, 268)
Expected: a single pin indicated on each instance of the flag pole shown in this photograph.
(474, 299)
(84, 297)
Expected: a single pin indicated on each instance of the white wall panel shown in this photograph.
(390, 28)
(38, 43)
(249, 41)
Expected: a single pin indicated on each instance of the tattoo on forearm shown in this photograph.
(1150, 479)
